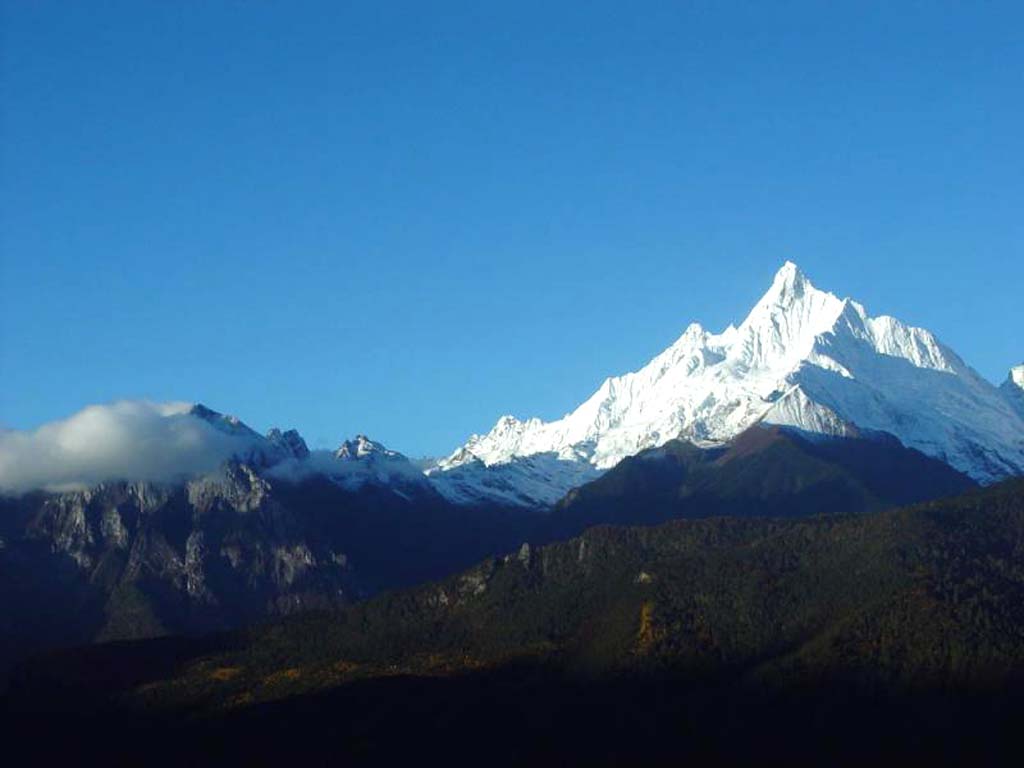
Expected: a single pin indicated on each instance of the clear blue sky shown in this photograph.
(407, 219)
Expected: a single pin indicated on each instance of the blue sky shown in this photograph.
(407, 219)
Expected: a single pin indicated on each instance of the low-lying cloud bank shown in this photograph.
(347, 473)
(128, 440)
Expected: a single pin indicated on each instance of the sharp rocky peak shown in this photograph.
(362, 447)
(223, 422)
(254, 448)
(789, 284)
(289, 442)
(1013, 389)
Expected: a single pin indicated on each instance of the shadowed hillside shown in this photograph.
(880, 631)
(765, 471)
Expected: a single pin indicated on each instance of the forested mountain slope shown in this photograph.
(901, 631)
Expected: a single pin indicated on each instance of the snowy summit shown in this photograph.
(803, 357)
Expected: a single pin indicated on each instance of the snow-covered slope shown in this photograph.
(803, 357)
(537, 480)
(356, 463)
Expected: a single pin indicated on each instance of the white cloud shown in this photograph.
(127, 440)
(348, 473)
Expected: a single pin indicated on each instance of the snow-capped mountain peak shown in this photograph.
(1016, 377)
(789, 286)
(802, 357)
(362, 447)
(1013, 389)
(782, 326)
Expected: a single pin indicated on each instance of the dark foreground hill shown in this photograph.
(834, 639)
(766, 471)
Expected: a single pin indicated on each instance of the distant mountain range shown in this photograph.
(255, 540)
(802, 358)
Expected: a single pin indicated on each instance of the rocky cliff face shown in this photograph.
(145, 559)
(125, 560)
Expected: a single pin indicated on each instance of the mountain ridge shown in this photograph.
(765, 471)
(802, 357)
